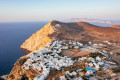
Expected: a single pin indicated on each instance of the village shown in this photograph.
(74, 61)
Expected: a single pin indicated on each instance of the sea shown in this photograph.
(12, 35)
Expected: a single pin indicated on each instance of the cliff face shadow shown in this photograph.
(25, 51)
(77, 31)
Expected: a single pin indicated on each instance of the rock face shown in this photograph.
(18, 73)
(39, 39)
(55, 30)
(80, 31)
(115, 26)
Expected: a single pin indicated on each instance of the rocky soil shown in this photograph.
(55, 30)
(79, 31)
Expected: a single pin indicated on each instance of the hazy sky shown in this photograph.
(42, 10)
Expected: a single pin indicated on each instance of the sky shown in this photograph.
(46, 10)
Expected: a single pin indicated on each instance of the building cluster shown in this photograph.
(51, 57)
(110, 43)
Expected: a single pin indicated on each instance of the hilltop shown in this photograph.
(69, 51)
(79, 31)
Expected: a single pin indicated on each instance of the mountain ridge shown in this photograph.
(65, 39)
(81, 31)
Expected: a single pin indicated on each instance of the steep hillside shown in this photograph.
(79, 31)
(39, 39)
(70, 46)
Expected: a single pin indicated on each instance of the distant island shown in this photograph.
(69, 51)
(91, 20)
(115, 26)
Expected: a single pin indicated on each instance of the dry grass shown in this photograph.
(73, 53)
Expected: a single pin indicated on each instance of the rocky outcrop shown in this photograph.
(39, 39)
(80, 31)
(18, 73)
(55, 30)
(115, 26)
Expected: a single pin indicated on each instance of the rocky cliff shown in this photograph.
(39, 39)
(18, 73)
(80, 31)
(55, 30)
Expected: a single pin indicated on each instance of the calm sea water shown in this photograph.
(12, 35)
(101, 24)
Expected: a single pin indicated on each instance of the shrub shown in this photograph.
(118, 53)
(116, 70)
(94, 55)
(12, 76)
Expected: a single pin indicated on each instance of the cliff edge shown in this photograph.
(39, 39)
(79, 31)
(68, 42)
